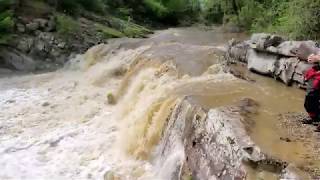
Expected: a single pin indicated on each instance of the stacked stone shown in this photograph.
(271, 55)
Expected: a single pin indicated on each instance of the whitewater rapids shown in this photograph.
(60, 125)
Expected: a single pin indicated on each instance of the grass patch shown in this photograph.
(108, 32)
(130, 29)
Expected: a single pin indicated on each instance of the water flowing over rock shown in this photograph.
(137, 109)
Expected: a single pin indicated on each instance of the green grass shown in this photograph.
(108, 32)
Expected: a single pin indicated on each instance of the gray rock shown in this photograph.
(32, 26)
(55, 52)
(5, 71)
(237, 51)
(25, 44)
(41, 22)
(276, 44)
(286, 69)
(262, 63)
(286, 48)
(262, 41)
(21, 28)
(299, 71)
(62, 45)
(51, 25)
(17, 60)
(209, 145)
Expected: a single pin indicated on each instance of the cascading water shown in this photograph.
(60, 126)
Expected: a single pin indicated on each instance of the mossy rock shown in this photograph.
(111, 98)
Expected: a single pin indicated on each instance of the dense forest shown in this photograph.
(295, 18)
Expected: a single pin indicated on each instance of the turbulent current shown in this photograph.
(63, 125)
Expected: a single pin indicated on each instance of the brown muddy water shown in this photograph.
(59, 125)
(274, 98)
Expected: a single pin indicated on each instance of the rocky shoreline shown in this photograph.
(270, 55)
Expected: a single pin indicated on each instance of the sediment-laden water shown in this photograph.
(60, 125)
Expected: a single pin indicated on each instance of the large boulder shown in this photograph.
(14, 59)
(276, 44)
(274, 56)
(237, 51)
(262, 63)
(213, 144)
(262, 41)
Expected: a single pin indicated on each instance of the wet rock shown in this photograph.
(16, 60)
(217, 145)
(237, 51)
(45, 104)
(261, 62)
(286, 139)
(214, 144)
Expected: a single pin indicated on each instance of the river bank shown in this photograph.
(179, 114)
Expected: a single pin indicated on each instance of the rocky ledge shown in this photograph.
(271, 55)
(216, 144)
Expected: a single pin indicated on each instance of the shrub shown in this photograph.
(6, 20)
(156, 8)
(67, 25)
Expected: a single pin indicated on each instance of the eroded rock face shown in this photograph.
(271, 55)
(212, 144)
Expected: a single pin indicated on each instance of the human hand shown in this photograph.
(313, 58)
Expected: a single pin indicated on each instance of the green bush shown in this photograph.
(156, 8)
(6, 20)
(6, 24)
(67, 25)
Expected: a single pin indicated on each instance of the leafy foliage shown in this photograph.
(6, 20)
(66, 25)
(295, 18)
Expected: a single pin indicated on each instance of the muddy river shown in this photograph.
(59, 125)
